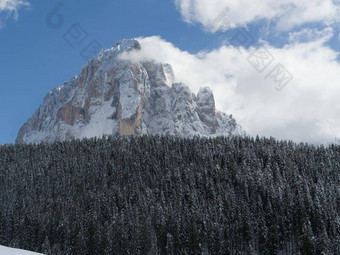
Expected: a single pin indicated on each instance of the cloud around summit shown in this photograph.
(306, 110)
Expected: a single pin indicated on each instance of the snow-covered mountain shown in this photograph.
(112, 96)
(9, 251)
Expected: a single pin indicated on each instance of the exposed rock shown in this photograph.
(116, 97)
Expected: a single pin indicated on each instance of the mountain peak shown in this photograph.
(112, 96)
(126, 45)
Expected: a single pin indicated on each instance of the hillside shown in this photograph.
(167, 195)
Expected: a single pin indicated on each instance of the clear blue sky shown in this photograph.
(34, 58)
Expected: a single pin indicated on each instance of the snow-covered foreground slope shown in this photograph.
(9, 251)
(112, 96)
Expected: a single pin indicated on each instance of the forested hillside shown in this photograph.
(166, 195)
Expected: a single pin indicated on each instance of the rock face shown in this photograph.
(116, 97)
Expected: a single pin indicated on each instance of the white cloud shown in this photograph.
(9, 8)
(285, 13)
(306, 110)
(308, 34)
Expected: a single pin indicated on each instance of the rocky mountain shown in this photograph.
(112, 96)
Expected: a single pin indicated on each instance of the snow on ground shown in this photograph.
(9, 251)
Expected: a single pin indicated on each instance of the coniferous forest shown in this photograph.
(167, 195)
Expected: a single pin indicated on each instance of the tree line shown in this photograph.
(168, 195)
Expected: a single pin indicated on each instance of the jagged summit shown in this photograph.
(126, 45)
(112, 96)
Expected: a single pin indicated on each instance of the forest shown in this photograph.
(170, 195)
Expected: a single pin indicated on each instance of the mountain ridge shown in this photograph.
(112, 96)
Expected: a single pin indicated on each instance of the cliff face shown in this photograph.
(116, 97)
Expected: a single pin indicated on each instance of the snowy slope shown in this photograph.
(9, 251)
(112, 96)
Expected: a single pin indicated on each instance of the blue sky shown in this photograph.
(36, 58)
